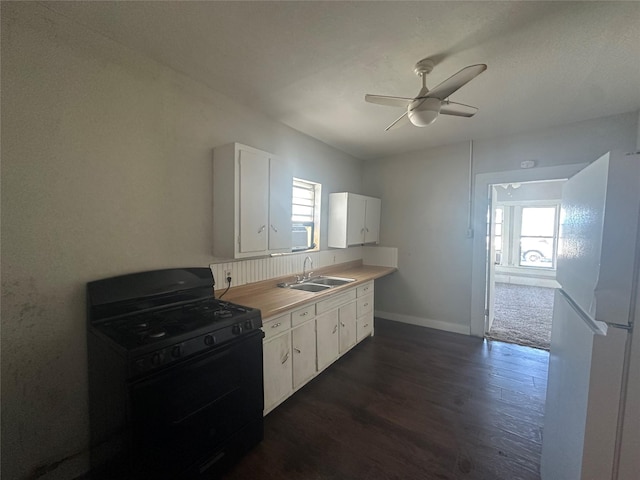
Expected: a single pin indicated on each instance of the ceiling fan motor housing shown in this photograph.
(424, 111)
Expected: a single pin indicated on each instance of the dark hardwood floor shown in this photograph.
(411, 403)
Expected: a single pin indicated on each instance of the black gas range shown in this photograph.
(175, 375)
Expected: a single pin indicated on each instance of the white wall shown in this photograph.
(425, 213)
(106, 169)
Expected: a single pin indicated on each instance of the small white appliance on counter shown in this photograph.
(592, 413)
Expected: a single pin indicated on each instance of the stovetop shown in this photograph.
(170, 324)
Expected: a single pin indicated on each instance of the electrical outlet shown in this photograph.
(227, 274)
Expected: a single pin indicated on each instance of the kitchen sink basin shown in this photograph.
(308, 287)
(317, 284)
(331, 281)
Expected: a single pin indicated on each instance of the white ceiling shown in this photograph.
(308, 64)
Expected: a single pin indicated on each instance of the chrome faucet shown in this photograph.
(306, 276)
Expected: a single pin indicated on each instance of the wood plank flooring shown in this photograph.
(411, 403)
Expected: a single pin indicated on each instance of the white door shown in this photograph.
(254, 201)
(491, 261)
(280, 187)
(372, 220)
(304, 353)
(276, 356)
(356, 207)
(327, 338)
(347, 326)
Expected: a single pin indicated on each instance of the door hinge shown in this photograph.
(486, 312)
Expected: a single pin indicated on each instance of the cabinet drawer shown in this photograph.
(364, 305)
(364, 327)
(276, 325)
(366, 289)
(303, 314)
(335, 301)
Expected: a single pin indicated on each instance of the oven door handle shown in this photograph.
(204, 407)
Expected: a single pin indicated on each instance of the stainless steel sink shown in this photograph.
(331, 281)
(317, 284)
(308, 287)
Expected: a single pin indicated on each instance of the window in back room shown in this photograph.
(305, 218)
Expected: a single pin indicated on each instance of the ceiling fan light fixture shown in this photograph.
(423, 112)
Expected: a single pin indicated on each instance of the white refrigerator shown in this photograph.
(592, 413)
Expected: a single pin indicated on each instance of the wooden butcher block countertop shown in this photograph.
(273, 300)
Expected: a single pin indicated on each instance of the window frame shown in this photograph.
(512, 230)
(312, 222)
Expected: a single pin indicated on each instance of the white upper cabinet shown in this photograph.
(251, 203)
(280, 181)
(353, 219)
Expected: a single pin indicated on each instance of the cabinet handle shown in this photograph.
(261, 229)
(286, 357)
(274, 228)
(367, 230)
(366, 324)
(343, 324)
(297, 350)
(304, 314)
(366, 304)
(362, 231)
(276, 325)
(335, 329)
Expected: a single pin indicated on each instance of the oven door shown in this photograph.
(183, 417)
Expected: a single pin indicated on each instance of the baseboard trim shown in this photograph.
(424, 322)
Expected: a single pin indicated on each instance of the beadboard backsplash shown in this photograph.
(257, 270)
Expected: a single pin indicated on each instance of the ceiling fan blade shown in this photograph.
(457, 109)
(388, 101)
(401, 121)
(457, 80)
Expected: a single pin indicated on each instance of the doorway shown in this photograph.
(481, 295)
(524, 238)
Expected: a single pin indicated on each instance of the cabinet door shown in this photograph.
(347, 326)
(372, 220)
(254, 201)
(356, 206)
(277, 370)
(327, 338)
(364, 309)
(280, 188)
(304, 353)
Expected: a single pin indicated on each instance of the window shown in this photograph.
(305, 218)
(538, 236)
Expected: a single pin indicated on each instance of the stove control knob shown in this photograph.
(210, 340)
(237, 329)
(156, 359)
(248, 325)
(176, 352)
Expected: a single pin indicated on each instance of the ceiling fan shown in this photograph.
(428, 104)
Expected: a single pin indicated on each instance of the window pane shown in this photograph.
(538, 221)
(537, 239)
(499, 215)
(304, 215)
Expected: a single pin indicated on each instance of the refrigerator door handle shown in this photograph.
(598, 328)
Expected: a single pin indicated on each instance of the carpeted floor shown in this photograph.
(522, 315)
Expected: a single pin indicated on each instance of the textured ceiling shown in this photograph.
(308, 64)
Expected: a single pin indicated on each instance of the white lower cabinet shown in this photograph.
(347, 326)
(364, 320)
(303, 342)
(276, 354)
(327, 338)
